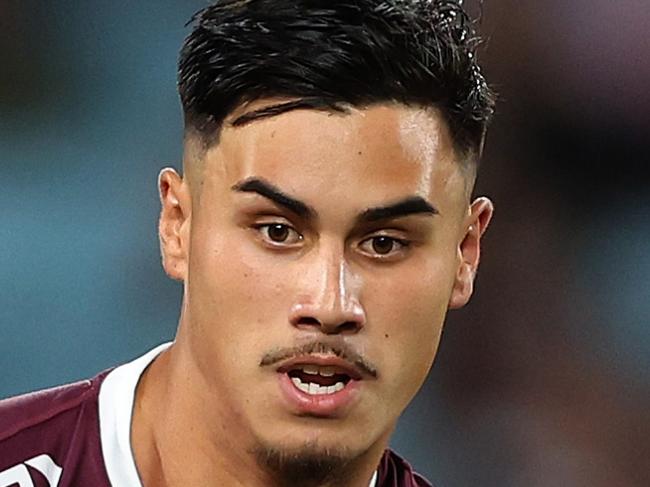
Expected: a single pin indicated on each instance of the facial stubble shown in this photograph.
(311, 465)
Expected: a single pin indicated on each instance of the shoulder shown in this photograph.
(51, 428)
(394, 471)
(40, 408)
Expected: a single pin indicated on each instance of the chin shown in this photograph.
(307, 463)
(346, 438)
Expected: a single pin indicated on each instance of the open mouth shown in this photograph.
(318, 380)
(321, 383)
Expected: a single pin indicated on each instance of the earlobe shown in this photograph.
(469, 251)
(173, 227)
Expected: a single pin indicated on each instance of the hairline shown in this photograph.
(468, 160)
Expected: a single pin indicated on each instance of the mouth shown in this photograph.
(318, 385)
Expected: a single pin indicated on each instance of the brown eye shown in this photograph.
(383, 245)
(278, 233)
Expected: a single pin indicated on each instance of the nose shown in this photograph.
(328, 298)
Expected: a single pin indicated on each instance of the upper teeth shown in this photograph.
(316, 370)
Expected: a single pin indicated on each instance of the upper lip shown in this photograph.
(342, 366)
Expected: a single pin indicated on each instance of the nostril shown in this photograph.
(329, 320)
(311, 322)
(348, 326)
(308, 320)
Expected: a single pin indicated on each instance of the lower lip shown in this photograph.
(324, 405)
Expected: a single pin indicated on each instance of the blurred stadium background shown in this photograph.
(542, 381)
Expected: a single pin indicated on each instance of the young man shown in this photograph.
(322, 229)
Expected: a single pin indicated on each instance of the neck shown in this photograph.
(178, 441)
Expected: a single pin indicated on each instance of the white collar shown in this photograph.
(116, 398)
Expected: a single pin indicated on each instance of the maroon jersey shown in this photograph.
(78, 435)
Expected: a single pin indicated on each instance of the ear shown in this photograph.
(174, 224)
(469, 251)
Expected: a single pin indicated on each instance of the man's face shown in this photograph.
(322, 255)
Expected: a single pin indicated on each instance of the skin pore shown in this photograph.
(306, 234)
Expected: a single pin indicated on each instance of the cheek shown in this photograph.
(411, 298)
(408, 310)
(237, 298)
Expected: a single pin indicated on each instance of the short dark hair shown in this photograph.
(328, 53)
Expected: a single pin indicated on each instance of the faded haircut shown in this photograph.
(326, 54)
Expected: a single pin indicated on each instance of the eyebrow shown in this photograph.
(271, 192)
(408, 206)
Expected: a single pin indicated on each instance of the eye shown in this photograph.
(383, 247)
(279, 233)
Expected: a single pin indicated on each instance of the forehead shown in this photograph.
(372, 155)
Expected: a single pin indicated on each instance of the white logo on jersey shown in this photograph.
(19, 474)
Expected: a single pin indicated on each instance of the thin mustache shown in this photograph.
(341, 350)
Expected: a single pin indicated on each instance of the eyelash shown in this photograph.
(393, 253)
(265, 228)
